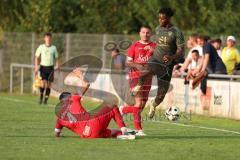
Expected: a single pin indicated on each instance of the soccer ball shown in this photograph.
(172, 113)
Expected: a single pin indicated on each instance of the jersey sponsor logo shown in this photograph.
(142, 58)
(162, 40)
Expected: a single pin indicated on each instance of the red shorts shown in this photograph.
(134, 79)
(95, 127)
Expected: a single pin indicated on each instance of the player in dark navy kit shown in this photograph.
(169, 50)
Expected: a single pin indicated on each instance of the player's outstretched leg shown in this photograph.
(136, 112)
(99, 124)
(58, 128)
(163, 86)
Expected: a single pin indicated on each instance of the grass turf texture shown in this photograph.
(26, 132)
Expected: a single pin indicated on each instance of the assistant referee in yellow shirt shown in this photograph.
(46, 57)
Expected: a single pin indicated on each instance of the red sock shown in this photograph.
(118, 118)
(136, 112)
(137, 119)
(58, 125)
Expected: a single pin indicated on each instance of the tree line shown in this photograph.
(212, 17)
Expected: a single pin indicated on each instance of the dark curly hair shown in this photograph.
(167, 11)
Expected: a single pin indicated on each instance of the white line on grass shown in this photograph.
(22, 101)
(202, 127)
(177, 124)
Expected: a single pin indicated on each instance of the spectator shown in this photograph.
(217, 44)
(192, 45)
(195, 60)
(191, 65)
(211, 62)
(207, 38)
(195, 63)
(230, 55)
(119, 60)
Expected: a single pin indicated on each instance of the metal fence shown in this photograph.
(220, 100)
(20, 48)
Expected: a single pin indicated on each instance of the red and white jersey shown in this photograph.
(140, 53)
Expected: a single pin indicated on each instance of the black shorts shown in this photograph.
(163, 73)
(47, 73)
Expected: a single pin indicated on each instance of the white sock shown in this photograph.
(57, 130)
(124, 130)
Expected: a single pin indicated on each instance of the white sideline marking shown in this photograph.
(202, 127)
(177, 124)
(23, 101)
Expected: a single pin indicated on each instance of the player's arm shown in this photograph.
(180, 46)
(56, 59)
(130, 63)
(57, 64)
(36, 65)
(179, 54)
(85, 83)
(37, 60)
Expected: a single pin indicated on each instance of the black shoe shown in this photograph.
(40, 99)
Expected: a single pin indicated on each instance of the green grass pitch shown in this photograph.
(26, 132)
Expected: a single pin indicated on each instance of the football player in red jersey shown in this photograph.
(168, 52)
(73, 116)
(138, 55)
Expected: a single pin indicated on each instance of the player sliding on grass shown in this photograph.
(169, 50)
(138, 55)
(73, 116)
